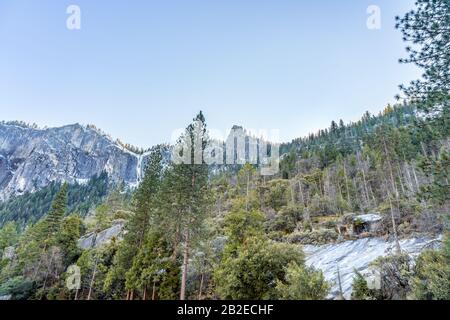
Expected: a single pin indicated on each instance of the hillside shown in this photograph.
(352, 184)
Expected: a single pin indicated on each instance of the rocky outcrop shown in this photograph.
(358, 255)
(95, 240)
(31, 158)
(367, 223)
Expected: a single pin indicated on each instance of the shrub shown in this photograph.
(302, 283)
(253, 273)
(360, 289)
(431, 280)
(317, 237)
(395, 271)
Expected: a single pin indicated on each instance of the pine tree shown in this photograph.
(8, 236)
(360, 289)
(186, 192)
(427, 28)
(52, 221)
(145, 205)
(153, 271)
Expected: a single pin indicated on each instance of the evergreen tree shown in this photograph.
(153, 271)
(186, 191)
(52, 222)
(145, 206)
(360, 289)
(8, 236)
(427, 28)
(68, 236)
(302, 283)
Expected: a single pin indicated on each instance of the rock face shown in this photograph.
(31, 158)
(366, 223)
(358, 254)
(94, 240)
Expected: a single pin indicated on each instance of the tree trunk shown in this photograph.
(415, 177)
(394, 227)
(92, 280)
(409, 178)
(248, 186)
(399, 172)
(154, 290)
(185, 266)
(365, 186)
(144, 294)
(391, 173)
(346, 183)
(175, 243)
(201, 286)
(301, 192)
(47, 272)
(341, 292)
(293, 193)
(40, 262)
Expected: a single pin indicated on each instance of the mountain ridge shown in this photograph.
(31, 158)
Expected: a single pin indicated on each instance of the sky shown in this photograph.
(141, 69)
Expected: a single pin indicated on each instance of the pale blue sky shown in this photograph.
(140, 69)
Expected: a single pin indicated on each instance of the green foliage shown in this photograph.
(154, 268)
(210, 235)
(276, 194)
(44, 251)
(396, 272)
(316, 237)
(31, 207)
(439, 170)
(328, 145)
(431, 280)
(302, 283)
(94, 267)
(286, 219)
(57, 212)
(8, 236)
(145, 203)
(239, 225)
(360, 290)
(19, 288)
(322, 205)
(67, 237)
(253, 273)
(427, 28)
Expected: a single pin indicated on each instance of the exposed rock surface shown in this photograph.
(31, 158)
(370, 217)
(367, 223)
(94, 240)
(358, 254)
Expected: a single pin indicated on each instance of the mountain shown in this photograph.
(32, 158)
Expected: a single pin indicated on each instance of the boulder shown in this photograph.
(97, 239)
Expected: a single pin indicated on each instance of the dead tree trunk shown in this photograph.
(92, 279)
